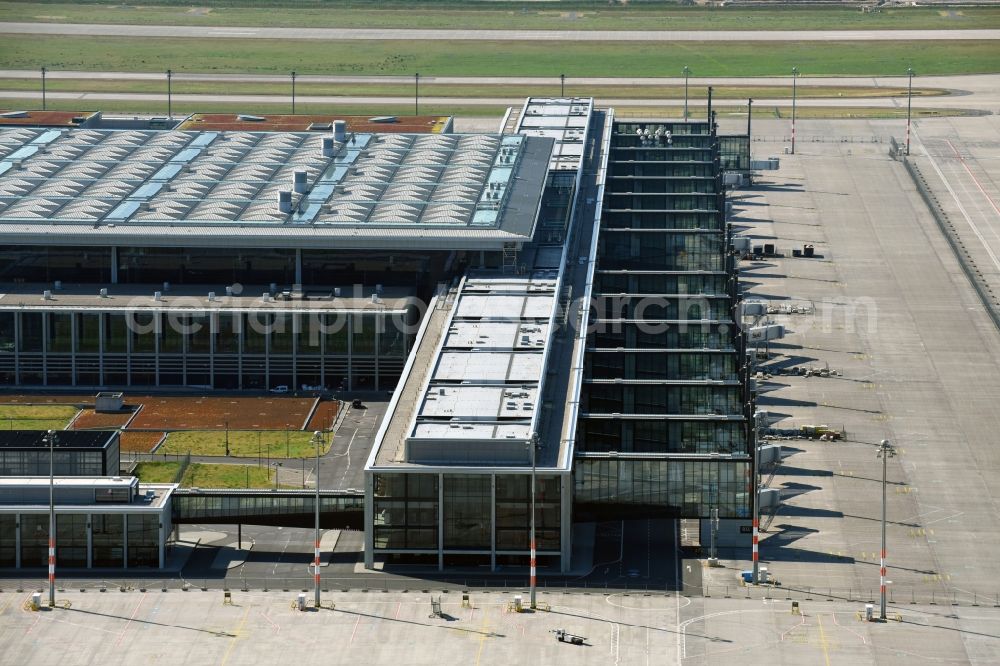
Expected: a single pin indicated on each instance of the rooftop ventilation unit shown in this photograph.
(340, 130)
(104, 292)
(329, 147)
(47, 295)
(157, 296)
(285, 201)
(299, 183)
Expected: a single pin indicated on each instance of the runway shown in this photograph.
(386, 34)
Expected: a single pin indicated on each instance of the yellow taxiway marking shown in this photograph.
(484, 634)
(822, 639)
(236, 635)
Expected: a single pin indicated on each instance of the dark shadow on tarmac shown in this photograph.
(801, 471)
(444, 616)
(714, 639)
(789, 511)
(221, 634)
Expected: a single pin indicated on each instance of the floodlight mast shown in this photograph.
(317, 440)
(909, 107)
(533, 443)
(795, 76)
(885, 451)
(51, 436)
(687, 72)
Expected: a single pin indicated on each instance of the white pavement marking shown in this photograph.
(958, 202)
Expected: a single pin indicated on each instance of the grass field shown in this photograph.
(492, 58)
(242, 443)
(36, 417)
(90, 419)
(220, 412)
(157, 472)
(199, 475)
(140, 441)
(469, 111)
(180, 87)
(515, 15)
(184, 108)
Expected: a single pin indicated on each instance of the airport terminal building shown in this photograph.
(243, 260)
(554, 302)
(637, 401)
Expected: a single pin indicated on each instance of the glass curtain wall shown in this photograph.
(71, 540)
(221, 350)
(662, 374)
(682, 488)
(143, 540)
(34, 540)
(108, 540)
(8, 540)
(406, 511)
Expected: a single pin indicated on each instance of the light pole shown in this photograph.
(227, 439)
(562, 85)
(749, 115)
(795, 76)
(909, 100)
(293, 92)
(885, 451)
(170, 111)
(51, 436)
(317, 440)
(416, 94)
(759, 416)
(687, 72)
(533, 443)
(43, 88)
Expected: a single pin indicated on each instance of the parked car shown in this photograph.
(280, 388)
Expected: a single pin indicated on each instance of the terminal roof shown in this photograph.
(273, 189)
(64, 439)
(315, 122)
(472, 396)
(25, 491)
(563, 119)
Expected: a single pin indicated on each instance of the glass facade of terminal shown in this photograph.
(35, 462)
(663, 379)
(106, 540)
(466, 516)
(217, 349)
(215, 265)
